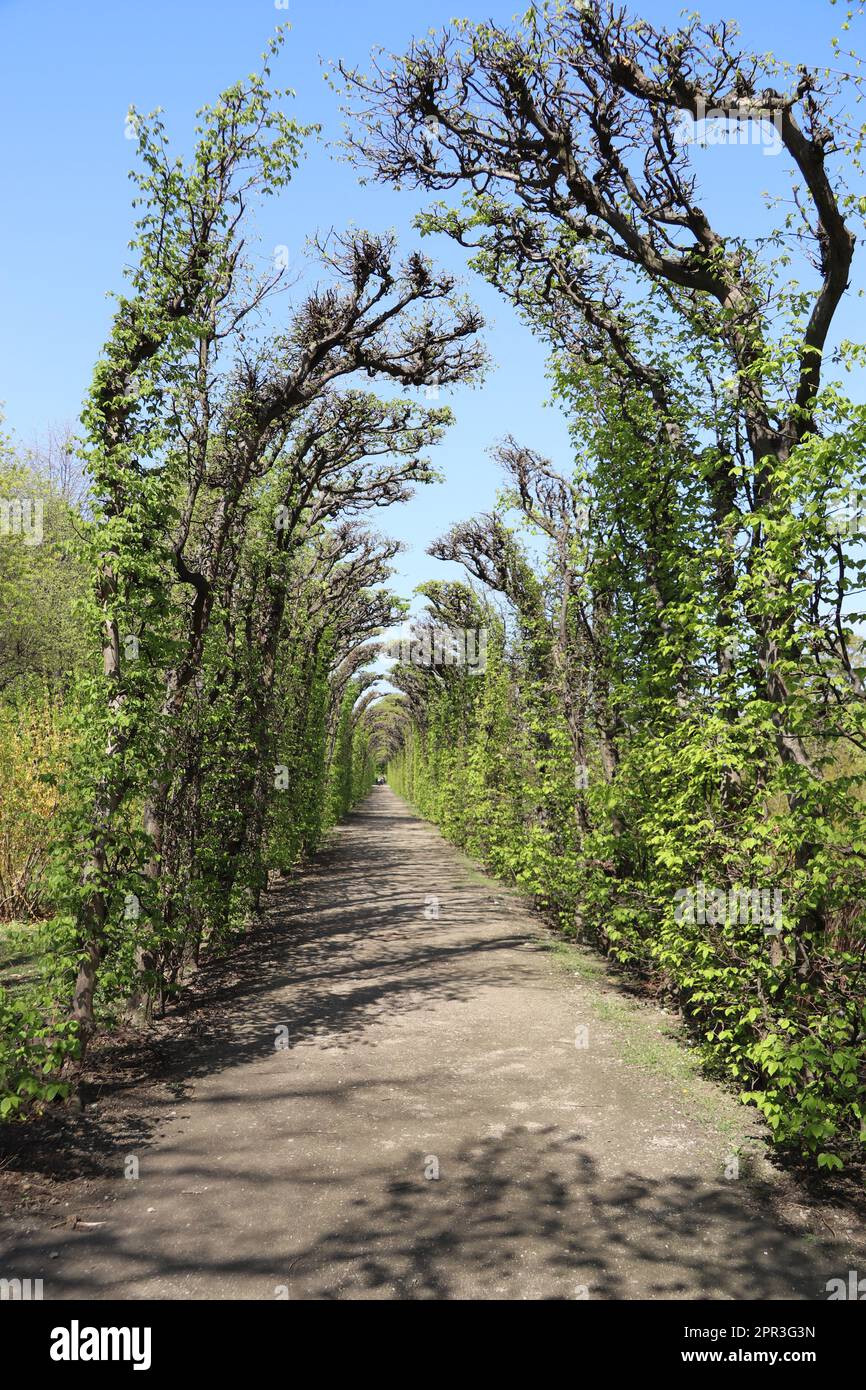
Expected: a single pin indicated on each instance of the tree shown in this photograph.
(699, 636)
(215, 448)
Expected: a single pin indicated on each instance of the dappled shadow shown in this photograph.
(351, 944)
(524, 1215)
(341, 949)
(308, 1169)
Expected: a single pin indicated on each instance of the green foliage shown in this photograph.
(696, 799)
(684, 709)
(34, 1044)
(225, 591)
(42, 582)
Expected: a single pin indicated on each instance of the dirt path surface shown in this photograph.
(578, 1153)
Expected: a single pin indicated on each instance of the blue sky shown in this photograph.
(68, 74)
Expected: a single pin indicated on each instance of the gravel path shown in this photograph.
(578, 1153)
